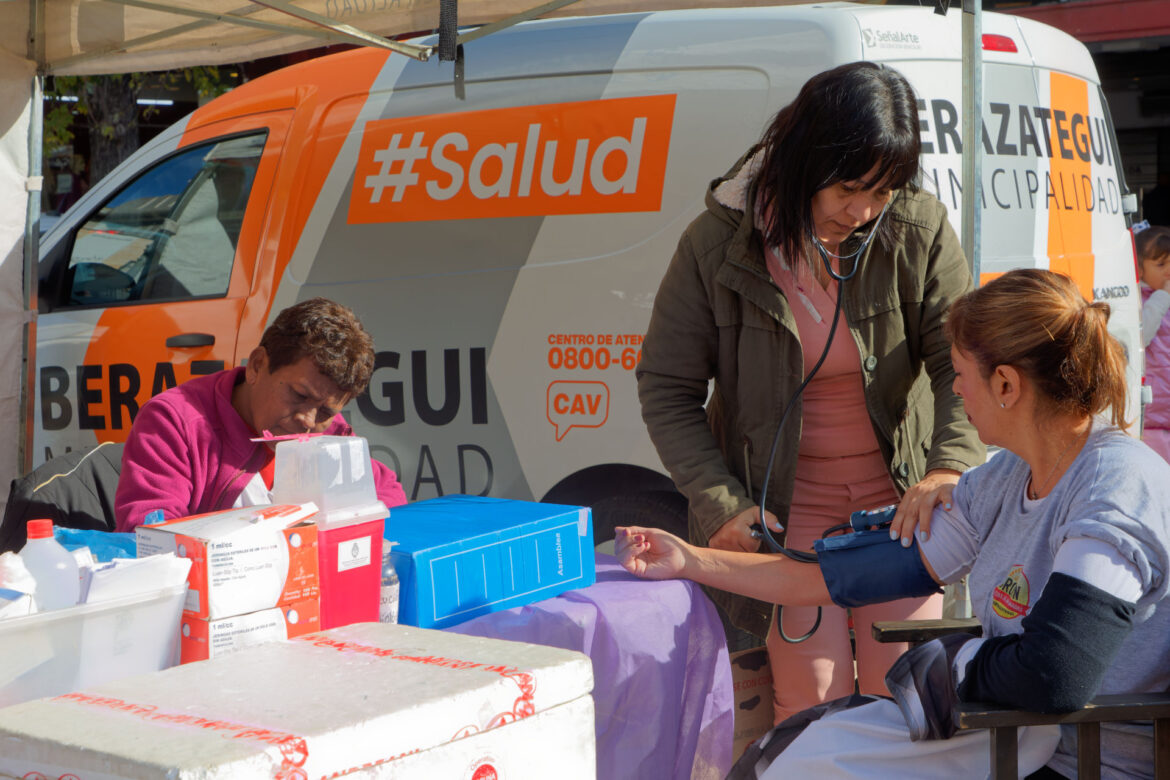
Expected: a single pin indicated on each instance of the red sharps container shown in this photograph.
(335, 473)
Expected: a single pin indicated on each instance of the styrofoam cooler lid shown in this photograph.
(325, 703)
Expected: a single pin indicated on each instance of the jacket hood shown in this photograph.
(732, 190)
(729, 197)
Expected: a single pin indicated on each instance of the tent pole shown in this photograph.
(36, 52)
(972, 220)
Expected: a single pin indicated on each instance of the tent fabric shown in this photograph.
(121, 36)
(16, 75)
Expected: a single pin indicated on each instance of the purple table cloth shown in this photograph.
(661, 677)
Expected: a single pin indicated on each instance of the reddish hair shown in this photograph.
(1037, 322)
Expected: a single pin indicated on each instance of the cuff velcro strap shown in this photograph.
(868, 567)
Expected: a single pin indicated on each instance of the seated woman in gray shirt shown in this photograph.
(1065, 536)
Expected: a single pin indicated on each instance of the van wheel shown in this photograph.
(655, 509)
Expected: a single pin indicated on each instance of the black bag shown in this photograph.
(74, 490)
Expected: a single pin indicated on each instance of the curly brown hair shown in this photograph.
(327, 332)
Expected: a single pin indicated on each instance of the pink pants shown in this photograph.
(822, 668)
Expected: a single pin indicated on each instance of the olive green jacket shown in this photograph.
(718, 315)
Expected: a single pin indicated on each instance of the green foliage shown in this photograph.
(207, 80)
(58, 130)
(108, 106)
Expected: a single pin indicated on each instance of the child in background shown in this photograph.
(1153, 253)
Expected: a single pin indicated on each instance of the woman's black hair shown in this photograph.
(844, 123)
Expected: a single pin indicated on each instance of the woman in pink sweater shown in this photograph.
(191, 448)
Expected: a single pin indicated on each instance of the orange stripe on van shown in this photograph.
(1070, 220)
(586, 157)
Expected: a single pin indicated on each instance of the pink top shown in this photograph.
(190, 452)
(837, 442)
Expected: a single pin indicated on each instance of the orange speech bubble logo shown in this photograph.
(585, 157)
(577, 405)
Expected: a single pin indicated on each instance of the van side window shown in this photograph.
(171, 233)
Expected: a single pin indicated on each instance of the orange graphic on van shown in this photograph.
(1070, 230)
(593, 156)
(577, 405)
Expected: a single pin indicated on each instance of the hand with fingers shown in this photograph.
(917, 506)
(651, 553)
(741, 533)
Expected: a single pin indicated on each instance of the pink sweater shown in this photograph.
(837, 441)
(1157, 412)
(190, 452)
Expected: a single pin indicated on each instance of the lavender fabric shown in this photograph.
(662, 680)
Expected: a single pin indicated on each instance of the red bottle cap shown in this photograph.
(40, 529)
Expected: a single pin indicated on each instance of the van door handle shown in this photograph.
(191, 340)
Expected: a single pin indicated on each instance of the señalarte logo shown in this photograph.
(891, 39)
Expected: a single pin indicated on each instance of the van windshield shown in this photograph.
(171, 233)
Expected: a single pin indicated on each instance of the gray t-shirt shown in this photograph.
(1116, 491)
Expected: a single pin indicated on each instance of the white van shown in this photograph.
(504, 246)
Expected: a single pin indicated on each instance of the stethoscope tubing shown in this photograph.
(766, 533)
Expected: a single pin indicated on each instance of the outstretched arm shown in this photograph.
(654, 554)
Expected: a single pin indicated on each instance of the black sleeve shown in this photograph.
(1057, 664)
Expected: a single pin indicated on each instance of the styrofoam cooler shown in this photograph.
(51, 653)
(368, 700)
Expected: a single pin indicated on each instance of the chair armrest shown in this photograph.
(1002, 724)
(917, 631)
(1109, 707)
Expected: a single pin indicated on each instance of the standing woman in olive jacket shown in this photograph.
(748, 301)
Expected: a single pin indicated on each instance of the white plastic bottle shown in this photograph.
(388, 601)
(52, 566)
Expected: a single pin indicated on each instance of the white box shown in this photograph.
(365, 700)
(242, 560)
(50, 653)
(202, 638)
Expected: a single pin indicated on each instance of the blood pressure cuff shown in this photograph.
(868, 567)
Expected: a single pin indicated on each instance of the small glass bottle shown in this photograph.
(388, 600)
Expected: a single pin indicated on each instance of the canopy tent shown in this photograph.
(41, 37)
(121, 36)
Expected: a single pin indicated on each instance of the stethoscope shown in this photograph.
(800, 555)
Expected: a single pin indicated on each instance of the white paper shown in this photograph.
(133, 576)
